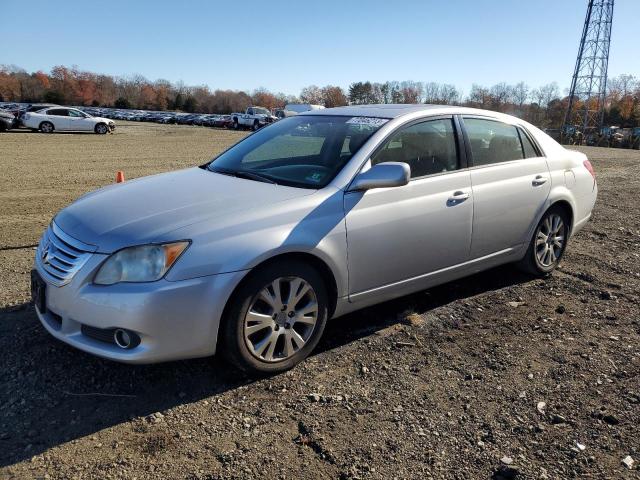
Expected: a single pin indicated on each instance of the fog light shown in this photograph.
(125, 339)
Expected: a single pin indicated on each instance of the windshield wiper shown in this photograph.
(259, 177)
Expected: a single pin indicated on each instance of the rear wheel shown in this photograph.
(275, 319)
(548, 243)
(256, 125)
(101, 129)
(236, 126)
(46, 127)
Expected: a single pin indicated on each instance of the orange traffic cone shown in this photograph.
(119, 176)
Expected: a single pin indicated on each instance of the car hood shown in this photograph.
(139, 211)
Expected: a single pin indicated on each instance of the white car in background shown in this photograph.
(66, 119)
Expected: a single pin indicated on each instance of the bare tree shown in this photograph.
(520, 94)
(479, 96)
(501, 95)
(622, 85)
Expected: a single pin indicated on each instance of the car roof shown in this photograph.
(392, 110)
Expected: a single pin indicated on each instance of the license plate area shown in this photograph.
(38, 291)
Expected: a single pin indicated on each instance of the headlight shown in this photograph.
(145, 263)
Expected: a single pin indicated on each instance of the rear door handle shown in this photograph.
(539, 180)
(458, 197)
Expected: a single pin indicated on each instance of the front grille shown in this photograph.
(56, 320)
(60, 256)
(101, 334)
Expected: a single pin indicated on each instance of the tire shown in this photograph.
(46, 127)
(236, 126)
(256, 126)
(101, 129)
(279, 339)
(544, 253)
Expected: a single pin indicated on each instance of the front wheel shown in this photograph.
(101, 129)
(275, 319)
(46, 127)
(548, 243)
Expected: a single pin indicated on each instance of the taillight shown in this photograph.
(588, 166)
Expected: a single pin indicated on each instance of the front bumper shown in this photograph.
(175, 320)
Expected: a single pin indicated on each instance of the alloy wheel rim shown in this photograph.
(281, 319)
(550, 240)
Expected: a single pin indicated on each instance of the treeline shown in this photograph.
(544, 106)
(70, 86)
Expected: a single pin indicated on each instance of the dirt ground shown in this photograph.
(494, 376)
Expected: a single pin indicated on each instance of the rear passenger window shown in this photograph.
(492, 141)
(428, 147)
(529, 149)
(60, 112)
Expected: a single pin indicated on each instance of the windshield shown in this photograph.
(304, 151)
(260, 111)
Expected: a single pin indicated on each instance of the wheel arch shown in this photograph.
(562, 197)
(315, 261)
(567, 208)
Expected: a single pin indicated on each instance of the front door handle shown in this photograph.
(458, 197)
(539, 180)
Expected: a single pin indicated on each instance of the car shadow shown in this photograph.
(51, 394)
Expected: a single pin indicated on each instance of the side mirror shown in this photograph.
(382, 175)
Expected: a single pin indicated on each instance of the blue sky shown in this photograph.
(284, 46)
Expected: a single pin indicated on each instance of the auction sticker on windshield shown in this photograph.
(370, 121)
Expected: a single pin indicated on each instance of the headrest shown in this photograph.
(356, 140)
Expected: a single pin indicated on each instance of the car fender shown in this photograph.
(311, 225)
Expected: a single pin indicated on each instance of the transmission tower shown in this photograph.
(585, 112)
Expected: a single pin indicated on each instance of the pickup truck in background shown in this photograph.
(253, 118)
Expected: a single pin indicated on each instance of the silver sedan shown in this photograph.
(310, 218)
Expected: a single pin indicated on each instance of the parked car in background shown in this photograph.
(34, 107)
(7, 120)
(222, 121)
(253, 118)
(66, 119)
(248, 254)
(186, 119)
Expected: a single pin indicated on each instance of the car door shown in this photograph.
(59, 117)
(510, 180)
(78, 121)
(396, 236)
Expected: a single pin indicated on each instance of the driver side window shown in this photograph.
(428, 147)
